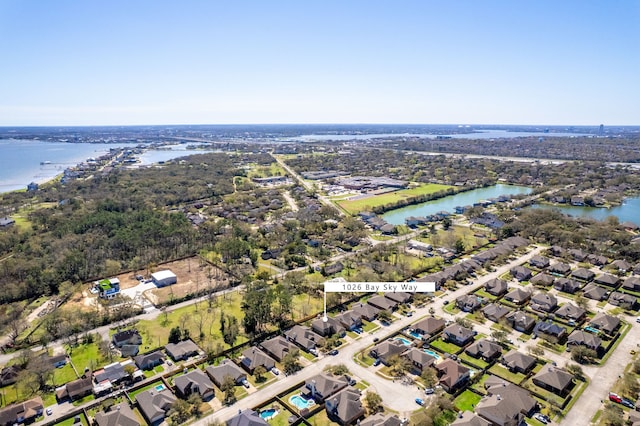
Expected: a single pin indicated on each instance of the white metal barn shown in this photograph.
(164, 278)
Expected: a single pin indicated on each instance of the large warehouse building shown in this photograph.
(164, 278)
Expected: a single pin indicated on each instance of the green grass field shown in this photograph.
(467, 400)
(356, 206)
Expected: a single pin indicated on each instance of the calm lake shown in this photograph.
(448, 204)
(629, 211)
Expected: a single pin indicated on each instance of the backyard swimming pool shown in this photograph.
(432, 353)
(403, 341)
(159, 388)
(301, 402)
(415, 334)
(268, 414)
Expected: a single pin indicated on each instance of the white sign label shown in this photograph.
(335, 286)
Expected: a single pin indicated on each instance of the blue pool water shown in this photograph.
(268, 414)
(403, 341)
(301, 402)
(432, 353)
(592, 330)
(159, 388)
(415, 334)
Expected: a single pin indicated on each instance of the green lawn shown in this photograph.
(363, 204)
(320, 419)
(369, 326)
(467, 400)
(473, 361)
(451, 308)
(444, 347)
(503, 372)
(133, 394)
(282, 418)
(86, 356)
(63, 375)
(70, 421)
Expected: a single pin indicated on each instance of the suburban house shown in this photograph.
(624, 300)
(195, 381)
(496, 287)
(334, 268)
(247, 418)
(597, 259)
(577, 254)
(543, 280)
(108, 288)
(545, 302)
(468, 302)
(520, 273)
(399, 296)
(367, 312)
(9, 375)
(632, 283)
(517, 362)
(419, 359)
(458, 334)
(327, 328)
(583, 338)
(350, 320)
(583, 274)
(22, 412)
(567, 285)
(451, 375)
(385, 350)
(518, 296)
(324, 386)
(429, 326)
(345, 407)
(569, 311)
(606, 323)
(382, 303)
(126, 337)
(75, 389)
(595, 292)
(467, 418)
(554, 380)
(495, 311)
(149, 361)
(380, 419)
(182, 350)
(607, 280)
(520, 321)
(155, 404)
(277, 347)
(505, 403)
(484, 349)
(226, 368)
(119, 414)
(549, 330)
(560, 268)
(539, 262)
(113, 373)
(622, 265)
(254, 357)
(304, 337)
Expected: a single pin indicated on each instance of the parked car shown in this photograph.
(429, 391)
(628, 403)
(541, 418)
(333, 352)
(49, 411)
(245, 383)
(615, 398)
(376, 339)
(419, 401)
(376, 362)
(445, 302)
(275, 371)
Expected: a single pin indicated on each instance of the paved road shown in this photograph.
(396, 396)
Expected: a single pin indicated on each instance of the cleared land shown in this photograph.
(363, 204)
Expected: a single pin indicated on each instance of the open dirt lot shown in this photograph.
(193, 275)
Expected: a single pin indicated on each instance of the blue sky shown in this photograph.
(214, 62)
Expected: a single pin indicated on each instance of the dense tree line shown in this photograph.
(101, 226)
